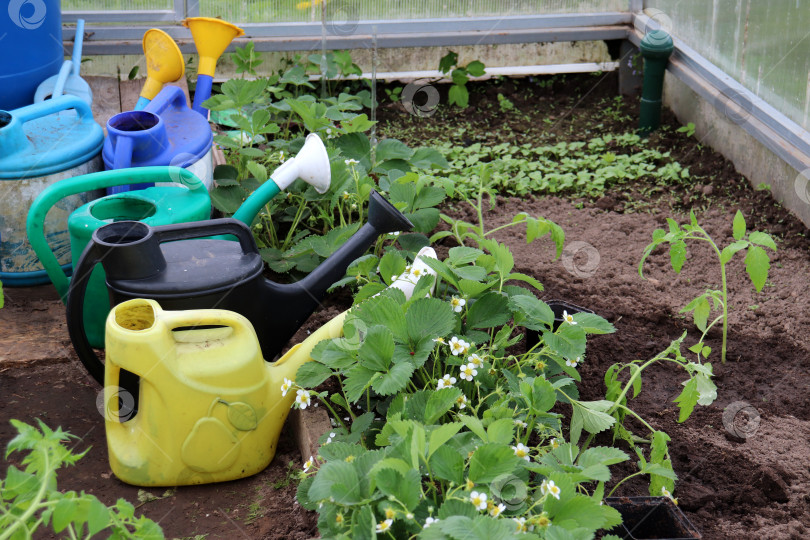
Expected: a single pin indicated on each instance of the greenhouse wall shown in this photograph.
(762, 44)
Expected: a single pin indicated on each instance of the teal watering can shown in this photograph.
(42, 145)
(159, 205)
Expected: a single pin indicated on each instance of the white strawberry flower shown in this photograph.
(285, 386)
(430, 521)
(457, 304)
(457, 346)
(302, 398)
(549, 487)
(575, 362)
(496, 511)
(446, 382)
(522, 451)
(384, 526)
(479, 500)
(568, 318)
(461, 402)
(308, 464)
(468, 371)
(475, 360)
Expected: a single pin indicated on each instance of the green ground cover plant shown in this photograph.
(576, 168)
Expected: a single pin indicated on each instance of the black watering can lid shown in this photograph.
(195, 266)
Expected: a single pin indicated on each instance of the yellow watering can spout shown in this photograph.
(211, 37)
(164, 64)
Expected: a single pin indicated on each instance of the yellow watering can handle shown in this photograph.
(242, 329)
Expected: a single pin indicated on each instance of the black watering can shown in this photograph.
(180, 267)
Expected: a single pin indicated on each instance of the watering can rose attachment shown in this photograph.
(211, 408)
(179, 266)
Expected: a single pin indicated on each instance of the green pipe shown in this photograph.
(656, 48)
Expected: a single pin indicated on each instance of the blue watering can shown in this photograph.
(165, 133)
(32, 46)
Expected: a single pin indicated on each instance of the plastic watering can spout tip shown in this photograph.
(211, 37)
(311, 165)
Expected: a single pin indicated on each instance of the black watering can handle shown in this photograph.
(199, 229)
(95, 253)
(92, 255)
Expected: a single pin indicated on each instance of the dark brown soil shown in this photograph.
(729, 487)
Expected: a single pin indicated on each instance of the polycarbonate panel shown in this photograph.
(116, 5)
(272, 11)
(763, 44)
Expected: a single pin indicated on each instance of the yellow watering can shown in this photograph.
(210, 409)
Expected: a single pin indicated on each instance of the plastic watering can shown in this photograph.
(68, 80)
(164, 63)
(210, 409)
(173, 265)
(166, 132)
(186, 200)
(211, 37)
(32, 48)
(41, 145)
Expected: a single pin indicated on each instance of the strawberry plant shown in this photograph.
(757, 264)
(458, 94)
(443, 430)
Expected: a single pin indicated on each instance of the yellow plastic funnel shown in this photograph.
(164, 63)
(211, 37)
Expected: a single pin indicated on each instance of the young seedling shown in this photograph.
(757, 264)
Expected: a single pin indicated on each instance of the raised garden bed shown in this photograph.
(729, 486)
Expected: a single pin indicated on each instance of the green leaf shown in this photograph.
(458, 95)
(762, 239)
(568, 341)
(490, 461)
(474, 273)
(258, 171)
(517, 276)
(701, 314)
(479, 528)
(311, 374)
(475, 425)
(377, 348)
(63, 513)
(544, 396)
(98, 516)
(475, 68)
(738, 226)
(336, 479)
(391, 264)
(439, 402)
(228, 199)
(440, 435)
(501, 431)
(429, 317)
(531, 312)
(471, 289)
(591, 323)
(357, 380)
(392, 149)
(384, 311)
(405, 488)
(395, 380)
(446, 463)
(730, 250)
(488, 311)
(757, 264)
(413, 242)
(428, 158)
(454, 507)
(458, 256)
(591, 415)
(677, 255)
(448, 61)
(687, 399)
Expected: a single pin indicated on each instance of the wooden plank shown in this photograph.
(106, 98)
(131, 90)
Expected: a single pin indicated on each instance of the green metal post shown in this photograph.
(656, 48)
